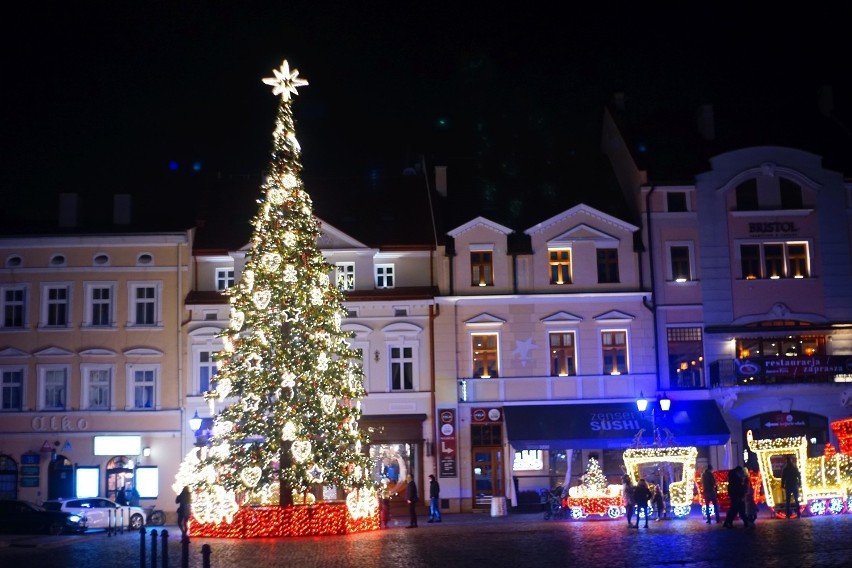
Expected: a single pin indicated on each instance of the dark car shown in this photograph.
(26, 517)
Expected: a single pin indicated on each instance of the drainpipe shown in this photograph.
(653, 306)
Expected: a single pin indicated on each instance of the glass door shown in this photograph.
(487, 476)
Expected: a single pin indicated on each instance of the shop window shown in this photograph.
(486, 434)
(119, 475)
(8, 478)
(393, 461)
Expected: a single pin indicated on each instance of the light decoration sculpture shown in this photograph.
(826, 479)
(290, 377)
(680, 491)
(594, 496)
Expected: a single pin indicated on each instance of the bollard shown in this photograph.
(205, 556)
(142, 547)
(154, 548)
(164, 553)
(184, 551)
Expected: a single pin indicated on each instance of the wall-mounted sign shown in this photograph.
(773, 228)
(118, 445)
(794, 367)
(30, 470)
(30, 459)
(480, 415)
(447, 443)
(29, 481)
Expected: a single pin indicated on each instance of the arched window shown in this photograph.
(119, 473)
(8, 478)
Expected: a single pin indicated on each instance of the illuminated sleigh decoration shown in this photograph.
(826, 480)
(682, 458)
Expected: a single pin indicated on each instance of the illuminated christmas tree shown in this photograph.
(286, 365)
(594, 481)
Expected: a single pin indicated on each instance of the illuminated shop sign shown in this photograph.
(790, 367)
(118, 445)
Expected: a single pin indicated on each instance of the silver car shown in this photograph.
(100, 513)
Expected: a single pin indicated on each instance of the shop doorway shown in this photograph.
(487, 476)
(119, 472)
(60, 478)
(8, 478)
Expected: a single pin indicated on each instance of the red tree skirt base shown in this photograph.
(300, 520)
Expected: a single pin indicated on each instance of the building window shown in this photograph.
(614, 350)
(402, 367)
(384, 276)
(485, 355)
(750, 261)
(607, 265)
(56, 311)
(746, 194)
(680, 263)
(686, 356)
(676, 201)
(143, 388)
(791, 194)
(11, 388)
(798, 265)
(562, 354)
(224, 278)
(97, 387)
(100, 299)
(774, 260)
(481, 268)
(54, 388)
(560, 266)
(144, 308)
(206, 370)
(345, 272)
(14, 306)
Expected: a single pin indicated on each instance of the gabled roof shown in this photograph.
(578, 209)
(479, 222)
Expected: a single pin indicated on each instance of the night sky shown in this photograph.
(106, 97)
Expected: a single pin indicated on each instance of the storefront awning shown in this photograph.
(613, 425)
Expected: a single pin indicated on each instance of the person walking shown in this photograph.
(121, 496)
(627, 496)
(412, 499)
(791, 480)
(659, 503)
(710, 491)
(434, 500)
(184, 510)
(385, 497)
(641, 495)
(736, 493)
(750, 503)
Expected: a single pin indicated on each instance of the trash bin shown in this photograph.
(498, 506)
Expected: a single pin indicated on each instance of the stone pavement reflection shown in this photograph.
(477, 540)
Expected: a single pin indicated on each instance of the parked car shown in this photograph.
(25, 517)
(100, 513)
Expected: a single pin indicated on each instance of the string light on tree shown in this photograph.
(286, 360)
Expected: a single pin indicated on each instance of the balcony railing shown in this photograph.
(583, 387)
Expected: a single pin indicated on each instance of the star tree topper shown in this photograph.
(285, 81)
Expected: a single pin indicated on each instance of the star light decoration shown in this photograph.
(285, 81)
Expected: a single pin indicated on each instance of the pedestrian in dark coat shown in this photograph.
(641, 495)
(434, 500)
(736, 493)
(627, 495)
(709, 490)
(791, 480)
(412, 498)
(184, 510)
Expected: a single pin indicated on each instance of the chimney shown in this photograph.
(706, 122)
(68, 210)
(441, 180)
(121, 209)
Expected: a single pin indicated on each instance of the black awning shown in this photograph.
(613, 425)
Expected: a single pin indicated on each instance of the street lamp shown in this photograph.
(642, 405)
(195, 422)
